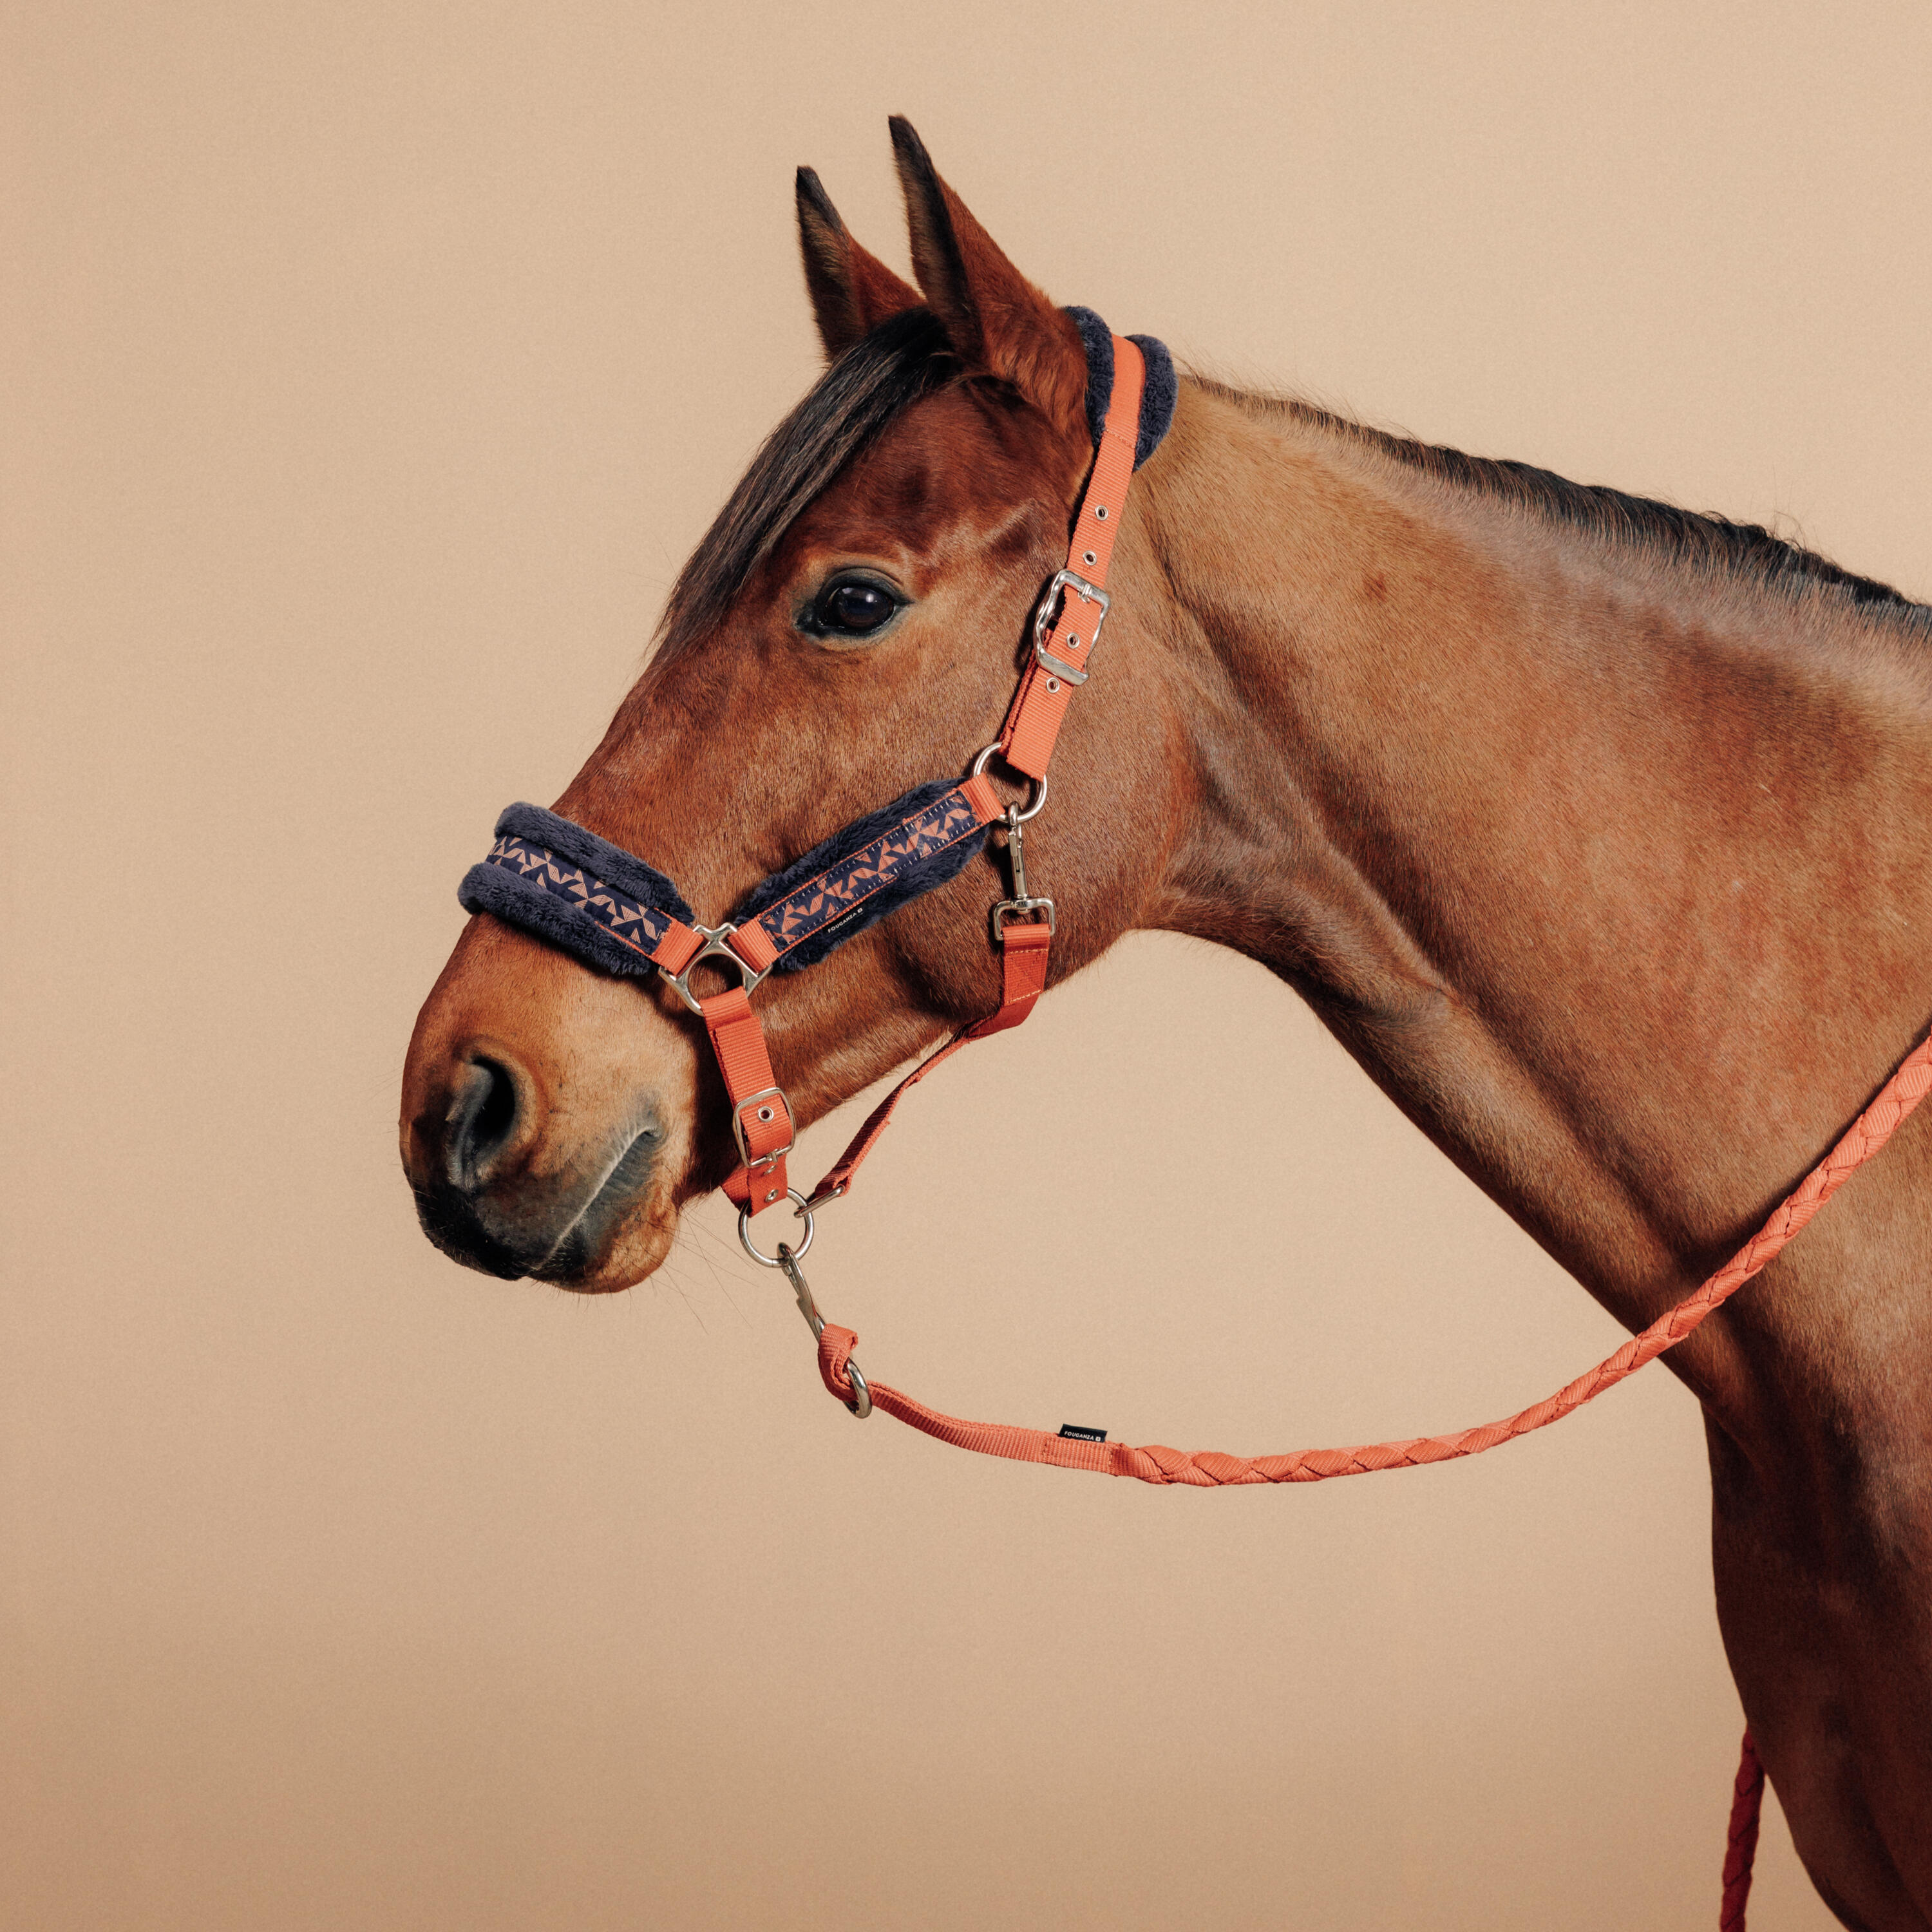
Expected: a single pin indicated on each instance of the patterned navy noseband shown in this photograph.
(609, 910)
(596, 901)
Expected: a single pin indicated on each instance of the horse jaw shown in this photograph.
(546, 1116)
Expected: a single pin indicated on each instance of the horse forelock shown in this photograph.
(864, 390)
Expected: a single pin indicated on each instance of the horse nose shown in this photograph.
(489, 1099)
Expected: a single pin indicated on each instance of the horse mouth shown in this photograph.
(481, 1234)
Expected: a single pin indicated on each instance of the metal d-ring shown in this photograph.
(1039, 798)
(764, 1260)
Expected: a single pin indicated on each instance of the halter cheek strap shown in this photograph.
(561, 882)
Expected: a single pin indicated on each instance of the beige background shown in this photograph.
(370, 369)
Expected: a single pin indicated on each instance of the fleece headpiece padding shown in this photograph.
(1157, 397)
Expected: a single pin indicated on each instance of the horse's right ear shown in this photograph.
(995, 318)
(852, 290)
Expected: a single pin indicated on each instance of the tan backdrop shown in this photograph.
(371, 368)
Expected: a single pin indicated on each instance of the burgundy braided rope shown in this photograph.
(1747, 1799)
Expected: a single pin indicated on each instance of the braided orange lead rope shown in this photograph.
(1210, 1469)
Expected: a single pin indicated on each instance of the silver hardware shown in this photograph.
(1100, 511)
(992, 751)
(713, 948)
(861, 1404)
(762, 1259)
(1087, 557)
(1021, 905)
(763, 1164)
(1048, 608)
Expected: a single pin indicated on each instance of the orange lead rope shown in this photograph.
(1209, 1469)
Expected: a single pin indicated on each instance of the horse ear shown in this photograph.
(852, 290)
(995, 318)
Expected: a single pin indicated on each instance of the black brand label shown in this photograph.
(1074, 1433)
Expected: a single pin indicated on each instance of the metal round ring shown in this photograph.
(1039, 785)
(798, 1254)
(861, 1405)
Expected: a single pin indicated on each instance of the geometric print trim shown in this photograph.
(855, 878)
(640, 927)
(814, 906)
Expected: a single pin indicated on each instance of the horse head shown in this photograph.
(850, 627)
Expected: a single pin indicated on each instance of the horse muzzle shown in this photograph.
(536, 1144)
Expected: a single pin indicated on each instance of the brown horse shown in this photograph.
(1595, 830)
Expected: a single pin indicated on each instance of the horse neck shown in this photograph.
(1611, 872)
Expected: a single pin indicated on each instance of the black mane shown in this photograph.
(907, 357)
(1748, 550)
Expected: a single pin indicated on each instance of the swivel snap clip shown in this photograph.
(861, 1404)
(787, 1259)
(1022, 904)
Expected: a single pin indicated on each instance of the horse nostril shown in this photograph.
(484, 1108)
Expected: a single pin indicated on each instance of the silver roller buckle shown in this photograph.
(763, 1164)
(1049, 605)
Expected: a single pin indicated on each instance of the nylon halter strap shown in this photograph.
(606, 907)
(1067, 627)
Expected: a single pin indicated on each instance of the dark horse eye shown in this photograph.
(852, 608)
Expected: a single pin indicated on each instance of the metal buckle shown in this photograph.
(1029, 909)
(713, 948)
(764, 1163)
(1049, 608)
(1021, 905)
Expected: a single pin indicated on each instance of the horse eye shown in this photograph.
(852, 608)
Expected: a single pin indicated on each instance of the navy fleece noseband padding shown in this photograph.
(590, 898)
(1157, 395)
(846, 849)
(593, 900)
